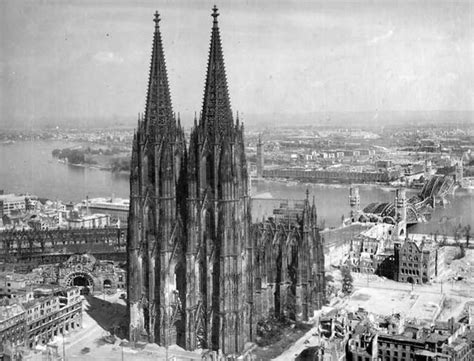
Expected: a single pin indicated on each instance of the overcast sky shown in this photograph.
(90, 58)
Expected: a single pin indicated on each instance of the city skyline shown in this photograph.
(83, 60)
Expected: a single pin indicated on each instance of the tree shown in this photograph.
(467, 231)
(457, 231)
(347, 280)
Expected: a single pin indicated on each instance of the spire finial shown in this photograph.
(237, 118)
(215, 14)
(157, 19)
(307, 193)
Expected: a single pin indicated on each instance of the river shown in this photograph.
(29, 167)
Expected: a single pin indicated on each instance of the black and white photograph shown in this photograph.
(236, 180)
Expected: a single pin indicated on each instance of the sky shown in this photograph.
(90, 59)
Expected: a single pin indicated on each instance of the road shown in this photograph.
(458, 288)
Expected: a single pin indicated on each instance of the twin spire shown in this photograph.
(216, 115)
(158, 109)
(216, 111)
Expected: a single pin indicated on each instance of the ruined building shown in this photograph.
(289, 263)
(191, 245)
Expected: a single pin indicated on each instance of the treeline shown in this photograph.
(106, 151)
(73, 156)
(121, 164)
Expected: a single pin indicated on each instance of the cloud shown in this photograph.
(380, 38)
(107, 57)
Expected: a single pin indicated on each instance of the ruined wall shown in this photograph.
(288, 267)
(29, 244)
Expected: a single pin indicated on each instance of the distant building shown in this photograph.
(383, 164)
(354, 200)
(372, 252)
(428, 170)
(392, 339)
(89, 221)
(435, 344)
(260, 157)
(332, 175)
(458, 171)
(116, 208)
(417, 262)
(31, 202)
(402, 261)
(12, 202)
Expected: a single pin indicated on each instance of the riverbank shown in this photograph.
(382, 186)
(103, 158)
(89, 166)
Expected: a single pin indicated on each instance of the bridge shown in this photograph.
(387, 212)
(436, 188)
(418, 207)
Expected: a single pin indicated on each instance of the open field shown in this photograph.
(103, 314)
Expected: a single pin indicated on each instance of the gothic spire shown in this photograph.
(216, 111)
(158, 110)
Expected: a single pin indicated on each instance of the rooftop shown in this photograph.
(11, 197)
(101, 201)
(10, 311)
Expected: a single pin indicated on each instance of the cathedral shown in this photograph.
(200, 274)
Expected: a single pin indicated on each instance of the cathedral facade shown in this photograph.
(195, 261)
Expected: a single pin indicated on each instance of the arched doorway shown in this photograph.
(410, 280)
(82, 280)
(107, 284)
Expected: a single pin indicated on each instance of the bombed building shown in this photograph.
(200, 274)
